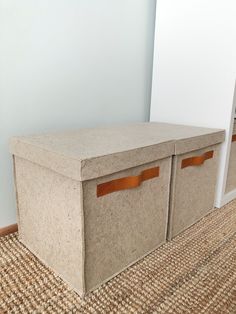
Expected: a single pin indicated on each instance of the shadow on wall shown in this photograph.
(68, 66)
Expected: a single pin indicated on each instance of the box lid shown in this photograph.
(90, 153)
(190, 138)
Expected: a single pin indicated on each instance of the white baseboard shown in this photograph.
(8, 229)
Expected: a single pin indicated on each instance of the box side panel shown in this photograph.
(193, 190)
(122, 227)
(172, 196)
(234, 127)
(50, 219)
(231, 177)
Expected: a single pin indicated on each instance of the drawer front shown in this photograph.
(192, 188)
(231, 177)
(125, 217)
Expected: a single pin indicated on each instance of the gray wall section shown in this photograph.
(70, 64)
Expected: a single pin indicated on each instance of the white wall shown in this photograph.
(194, 68)
(70, 64)
(195, 61)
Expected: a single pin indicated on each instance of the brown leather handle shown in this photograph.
(197, 160)
(234, 138)
(127, 182)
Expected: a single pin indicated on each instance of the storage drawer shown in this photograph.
(92, 202)
(87, 238)
(193, 184)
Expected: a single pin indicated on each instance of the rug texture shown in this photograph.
(195, 273)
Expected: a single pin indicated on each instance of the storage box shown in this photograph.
(194, 174)
(93, 201)
(231, 177)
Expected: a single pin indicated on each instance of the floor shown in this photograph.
(195, 273)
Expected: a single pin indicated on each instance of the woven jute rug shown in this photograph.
(195, 273)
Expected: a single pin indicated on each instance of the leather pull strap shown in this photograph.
(127, 182)
(197, 160)
(234, 138)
